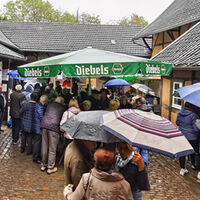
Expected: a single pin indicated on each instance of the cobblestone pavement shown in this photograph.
(21, 179)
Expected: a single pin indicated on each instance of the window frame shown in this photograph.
(173, 91)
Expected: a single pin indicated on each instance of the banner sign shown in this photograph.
(101, 69)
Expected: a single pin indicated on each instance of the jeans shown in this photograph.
(16, 126)
(137, 195)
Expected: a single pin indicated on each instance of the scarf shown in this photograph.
(120, 163)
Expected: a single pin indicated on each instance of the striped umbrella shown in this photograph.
(147, 130)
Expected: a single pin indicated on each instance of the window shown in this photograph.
(176, 100)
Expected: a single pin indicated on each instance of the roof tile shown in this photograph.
(66, 37)
(184, 50)
(179, 13)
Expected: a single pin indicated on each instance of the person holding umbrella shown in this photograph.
(186, 121)
(78, 160)
(131, 165)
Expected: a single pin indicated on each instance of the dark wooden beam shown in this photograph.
(171, 35)
(145, 42)
(157, 35)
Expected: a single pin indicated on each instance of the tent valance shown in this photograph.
(91, 62)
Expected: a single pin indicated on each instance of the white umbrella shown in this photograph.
(147, 130)
(143, 88)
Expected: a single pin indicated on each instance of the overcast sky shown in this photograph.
(112, 10)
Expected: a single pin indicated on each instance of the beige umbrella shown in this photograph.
(147, 130)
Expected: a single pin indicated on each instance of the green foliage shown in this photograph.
(42, 11)
(67, 17)
(86, 18)
(30, 10)
(3, 18)
(134, 19)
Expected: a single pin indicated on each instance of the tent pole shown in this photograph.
(89, 89)
(71, 85)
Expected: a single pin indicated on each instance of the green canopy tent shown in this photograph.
(90, 62)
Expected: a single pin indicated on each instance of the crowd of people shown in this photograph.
(92, 170)
(37, 114)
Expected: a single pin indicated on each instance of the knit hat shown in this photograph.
(18, 87)
(87, 102)
(104, 159)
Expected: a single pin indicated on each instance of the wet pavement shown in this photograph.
(21, 179)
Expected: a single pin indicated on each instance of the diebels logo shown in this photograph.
(163, 69)
(117, 69)
(46, 71)
(83, 70)
(33, 72)
(151, 69)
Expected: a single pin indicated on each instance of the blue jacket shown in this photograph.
(27, 113)
(186, 120)
(145, 155)
(27, 93)
(39, 112)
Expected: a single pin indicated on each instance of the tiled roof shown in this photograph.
(6, 41)
(180, 12)
(66, 37)
(183, 52)
(8, 53)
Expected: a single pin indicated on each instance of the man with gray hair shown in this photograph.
(16, 99)
(37, 137)
(50, 126)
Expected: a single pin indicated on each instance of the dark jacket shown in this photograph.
(2, 106)
(52, 117)
(39, 112)
(104, 104)
(126, 106)
(186, 121)
(137, 179)
(27, 113)
(16, 99)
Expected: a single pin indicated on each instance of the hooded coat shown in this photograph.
(68, 114)
(186, 121)
(28, 91)
(102, 186)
